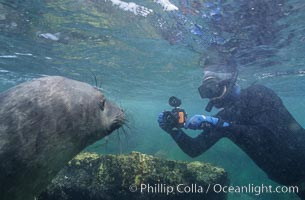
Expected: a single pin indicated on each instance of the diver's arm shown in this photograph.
(239, 129)
(195, 146)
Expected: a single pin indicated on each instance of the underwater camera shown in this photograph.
(177, 117)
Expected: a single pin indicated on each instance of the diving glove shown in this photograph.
(164, 123)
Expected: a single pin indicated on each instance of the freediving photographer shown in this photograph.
(253, 118)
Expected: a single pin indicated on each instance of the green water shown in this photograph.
(140, 61)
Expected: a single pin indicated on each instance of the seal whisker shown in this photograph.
(97, 83)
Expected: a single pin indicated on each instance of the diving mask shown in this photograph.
(212, 87)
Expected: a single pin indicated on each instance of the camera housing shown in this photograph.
(177, 117)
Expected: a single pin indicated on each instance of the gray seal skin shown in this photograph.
(44, 123)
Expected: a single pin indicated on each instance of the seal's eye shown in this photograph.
(102, 104)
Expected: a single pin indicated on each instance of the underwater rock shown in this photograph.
(135, 176)
(44, 123)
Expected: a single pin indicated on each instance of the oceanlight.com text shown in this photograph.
(216, 188)
(255, 189)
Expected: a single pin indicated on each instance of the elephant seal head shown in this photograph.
(44, 123)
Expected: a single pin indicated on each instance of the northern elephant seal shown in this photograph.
(44, 123)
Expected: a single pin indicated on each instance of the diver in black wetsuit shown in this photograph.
(253, 118)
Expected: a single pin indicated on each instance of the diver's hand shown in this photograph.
(164, 124)
(202, 122)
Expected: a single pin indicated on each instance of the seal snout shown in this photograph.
(118, 121)
(115, 125)
(115, 114)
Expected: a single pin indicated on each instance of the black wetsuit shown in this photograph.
(263, 128)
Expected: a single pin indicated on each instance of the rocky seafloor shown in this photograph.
(91, 176)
